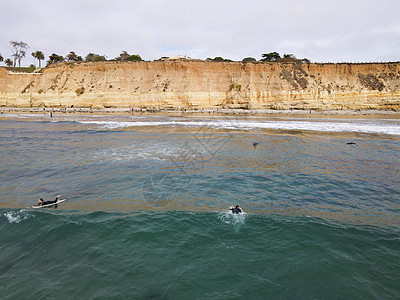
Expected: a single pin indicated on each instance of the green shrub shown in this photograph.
(80, 91)
(237, 87)
(249, 59)
(219, 59)
(134, 57)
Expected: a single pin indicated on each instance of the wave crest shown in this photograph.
(16, 216)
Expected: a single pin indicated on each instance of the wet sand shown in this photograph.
(363, 114)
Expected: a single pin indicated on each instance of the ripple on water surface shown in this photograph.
(146, 217)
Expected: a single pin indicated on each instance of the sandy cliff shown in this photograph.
(194, 84)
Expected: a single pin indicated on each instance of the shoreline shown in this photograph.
(215, 112)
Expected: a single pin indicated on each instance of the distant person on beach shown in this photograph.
(235, 210)
(42, 202)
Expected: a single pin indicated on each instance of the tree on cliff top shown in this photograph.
(55, 58)
(8, 62)
(219, 59)
(39, 56)
(18, 49)
(123, 56)
(134, 57)
(248, 59)
(272, 56)
(287, 58)
(1, 58)
(73, 57)
(34, 56)
(93, 57)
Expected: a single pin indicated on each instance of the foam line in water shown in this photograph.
(380, 126)
(374, 127)
(21, 116)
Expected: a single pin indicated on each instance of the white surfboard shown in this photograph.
(48, 205)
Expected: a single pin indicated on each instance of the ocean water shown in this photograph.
(146, 215)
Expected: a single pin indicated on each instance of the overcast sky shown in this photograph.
(320, 30)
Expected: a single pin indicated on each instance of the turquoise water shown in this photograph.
(147, 198)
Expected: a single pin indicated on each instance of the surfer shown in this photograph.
(42, 202)
(235, 210)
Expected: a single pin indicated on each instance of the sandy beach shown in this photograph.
(367, 114)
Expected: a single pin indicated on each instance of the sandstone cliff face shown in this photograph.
(193, 84)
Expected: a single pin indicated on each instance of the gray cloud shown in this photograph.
(320, 30)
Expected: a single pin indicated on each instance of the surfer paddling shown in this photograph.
(42, 202)
(235, 210)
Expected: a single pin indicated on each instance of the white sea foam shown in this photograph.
(123, 124)
(362, 126)
(229, 218)
(378, 126)
(334, 126)
(160, 151)
(21, 116)
(16, 216)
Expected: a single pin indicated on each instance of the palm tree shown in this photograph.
(39, 56)
(8, 62)
(34, 56)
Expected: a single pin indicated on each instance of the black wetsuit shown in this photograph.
(49, 202)
(236, 210)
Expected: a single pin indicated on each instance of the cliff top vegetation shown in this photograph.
(19, 50)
